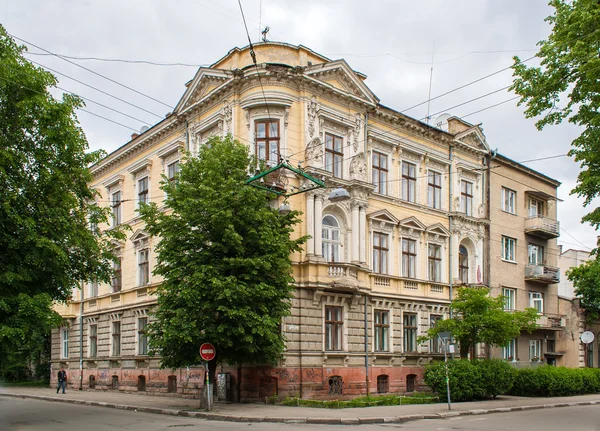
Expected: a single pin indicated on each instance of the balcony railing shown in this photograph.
(339, 270)
(543, 227)
(552, 321)
(408, 286)
(542, 274)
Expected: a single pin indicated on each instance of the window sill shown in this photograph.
(514, 262)
(508, 212)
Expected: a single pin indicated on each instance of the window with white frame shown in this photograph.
(92, 289)
(536, 208)
(434, 257)
(117, 278)
(142, 336)
(434, 189)
(409, 181)
(509, 351)
(409, 258)
(334, 154)
(116, 201)
(510, 296)
(536, 254)
(379, 170)
(463, 264)
(509, 249)
(64, 338)
(93, 340)
(144, 266)
(435, 346)
(334, 327)
(509, 200)
(116, 338)
(535, 350)
(410, 332)
(536, 301)
(331, 239)
(380, 253)
(267, 140)
(142, 191)
(466, 197)
(382, 330)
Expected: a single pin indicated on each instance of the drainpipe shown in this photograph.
(187, 136)
(367, 348)
(81, 338)
(451, 198)
(300, 338)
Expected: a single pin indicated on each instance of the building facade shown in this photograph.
(379, 269)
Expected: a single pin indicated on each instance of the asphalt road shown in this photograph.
(32, 415)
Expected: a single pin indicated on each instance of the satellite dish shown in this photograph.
(441, 122)
(144, 129)
(587, 337)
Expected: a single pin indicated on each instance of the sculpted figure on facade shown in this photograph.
(314, 153)
(312, 109)
(358, 167)
(227, 115)
(356, 131)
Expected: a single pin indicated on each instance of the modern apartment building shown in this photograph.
(379, 269)
(524, 258)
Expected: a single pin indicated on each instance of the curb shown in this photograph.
(303, 420)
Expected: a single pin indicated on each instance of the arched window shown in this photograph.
(331, 238)
(463, 264)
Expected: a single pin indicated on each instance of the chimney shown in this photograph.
(560, 248)
(134, 135)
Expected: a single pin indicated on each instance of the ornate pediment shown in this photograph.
(474, 138)
(412, 223)
(438, 229)
(383, 215)
(204, 83)
(140, 238)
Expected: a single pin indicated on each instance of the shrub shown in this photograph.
(549, 381)
(497, 377)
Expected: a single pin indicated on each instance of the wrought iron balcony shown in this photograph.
(542, 227)
(542, 274)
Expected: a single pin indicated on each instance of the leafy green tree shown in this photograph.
(586, 278)
(224, 254)
(480, 318)
(567, 86)
(46, 245)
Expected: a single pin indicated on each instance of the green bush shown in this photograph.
(470, 380)
(367, 401)
(549, 381)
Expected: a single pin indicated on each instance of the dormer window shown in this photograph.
(267, 140)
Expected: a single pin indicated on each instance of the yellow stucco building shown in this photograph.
(379, 268)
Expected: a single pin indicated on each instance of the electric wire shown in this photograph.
(119, 60)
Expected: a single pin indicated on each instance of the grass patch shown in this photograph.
(367, 401)
(33, 384)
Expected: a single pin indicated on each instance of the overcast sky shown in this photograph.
(392, 42)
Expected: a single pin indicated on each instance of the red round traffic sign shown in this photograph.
(207, 351)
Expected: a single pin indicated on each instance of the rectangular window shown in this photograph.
(466, 197)
(64, 351)
(509, 351)
(334, 154)
(409, 181)
(409, 258)
(434, 256)
(144, 266)
(116, 201)
(536, 300)
(92, 289)
(380, 172)
(434, 189)
(142, 336)
(380, 253)
(435, 344)
(535, 350)
(267, 140)
(536, 208)
(172, 171)
(509, 249)
(536, 254)
(334, 325)
(382, 330)
(93, 341)
(116, 338)
(117, 278)
(143, 191)
(410, 332)
(509, 298)
(509, 200)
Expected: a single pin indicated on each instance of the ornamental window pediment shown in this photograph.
(140, 239)
(141, 168)
(114, 183)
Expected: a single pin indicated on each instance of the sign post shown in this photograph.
(207, 353)
(445, 338)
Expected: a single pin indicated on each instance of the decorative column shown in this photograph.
(318, 221)
(363, 234)
(310, 224)
(355, 233)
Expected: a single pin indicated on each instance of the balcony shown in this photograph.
(408, 286)
(542, 227)
(554, 322)
(542, 274)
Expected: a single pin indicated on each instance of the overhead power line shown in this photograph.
(119, 60)
(92, 71)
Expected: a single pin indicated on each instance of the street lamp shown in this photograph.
(339, 195)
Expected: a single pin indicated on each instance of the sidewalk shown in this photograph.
(269, 413)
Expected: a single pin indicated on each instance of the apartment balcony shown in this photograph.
(553, 322)
(408, 286)
(542, 274)
(542, 227)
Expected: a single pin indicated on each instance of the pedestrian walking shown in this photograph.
(62, 380)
